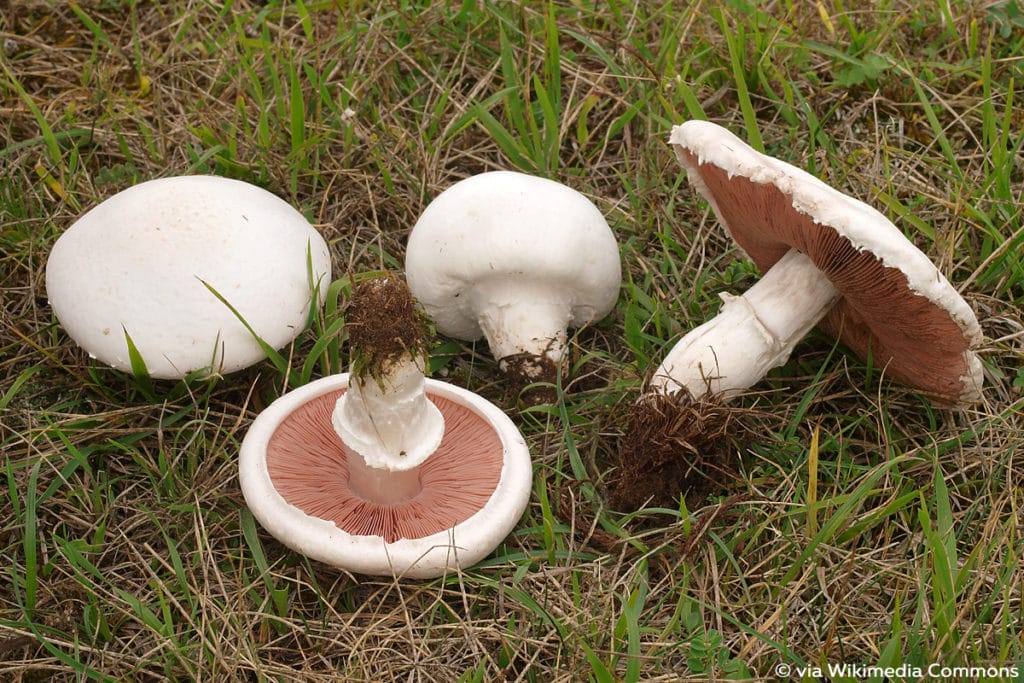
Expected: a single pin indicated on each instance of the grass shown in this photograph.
(866, 525)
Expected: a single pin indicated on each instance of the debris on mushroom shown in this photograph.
(380, 470)
(516, 259)
(828, 260)
(141, 266)
(385, 416)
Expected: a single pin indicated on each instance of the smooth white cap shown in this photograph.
(508, 230)
(136, 263)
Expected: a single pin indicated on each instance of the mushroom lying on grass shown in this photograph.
(138, 269)
(382, 471)
(828, 260)
(516, 259)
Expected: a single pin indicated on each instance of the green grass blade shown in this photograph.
(941, 542)
(46, 132)
(97, 30)
(600, 671)
(513, 88)
(296, 111)
(938, 131)
(550, 98)
(29, 539)
(508, 144)
(320, 352)
(140, 372)
(278, 597)
(841, 516)
(279, 361)
(735, 37)
(548, 153)
(17, 384)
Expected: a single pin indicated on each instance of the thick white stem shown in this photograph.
(521, 318)
(389, 420)
(751, 334)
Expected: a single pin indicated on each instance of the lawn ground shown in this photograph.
(863, 524)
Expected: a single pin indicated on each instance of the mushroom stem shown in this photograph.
(525, 327)
(752, 333)
(391, 424)
(380, 485)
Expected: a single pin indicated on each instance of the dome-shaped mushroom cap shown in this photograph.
(137, 262)
(504, 224)
(895, 305)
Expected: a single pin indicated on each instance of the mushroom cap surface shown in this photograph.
(504, 225)
(320, 537)
(137, 262)
(896, 306)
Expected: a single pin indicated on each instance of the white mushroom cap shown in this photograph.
(461, 545)
(894, 305)
(514, 257)
(137, 262)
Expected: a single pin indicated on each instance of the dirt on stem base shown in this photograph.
(672, 445)
(383, 324)
(526, 369)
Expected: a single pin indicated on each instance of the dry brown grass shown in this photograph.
(147, 565)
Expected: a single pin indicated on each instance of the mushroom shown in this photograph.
(380, 470)
(516, 259)
(141, 265)
(827, 259)
(385, 416)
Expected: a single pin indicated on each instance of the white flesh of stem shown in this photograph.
(751, 334)
(522, 318)
(390, 423)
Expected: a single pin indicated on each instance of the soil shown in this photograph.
(383, 324)
(524, 369)
(672, 445)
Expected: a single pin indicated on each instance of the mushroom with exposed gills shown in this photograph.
(828, 260)
(380, 470)
(172, 264)
(516, 259)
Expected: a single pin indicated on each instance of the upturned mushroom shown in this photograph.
(142, 264)
(380, 470)
(826, 259)
(516, 259)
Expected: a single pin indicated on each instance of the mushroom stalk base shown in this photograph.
(751, 334)
(523, 322)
